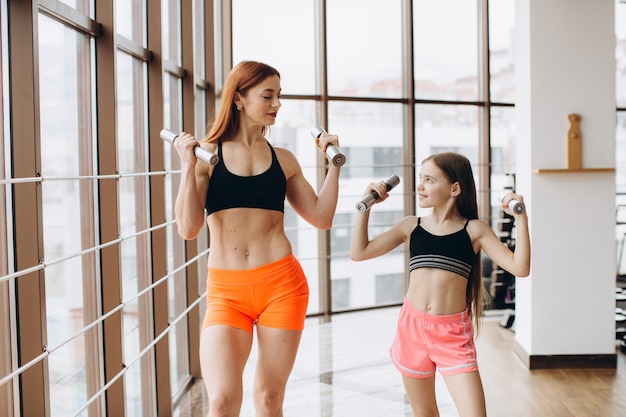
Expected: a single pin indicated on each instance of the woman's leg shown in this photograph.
(224, 351)
(277, 354)
(421, 393)
(467, 393)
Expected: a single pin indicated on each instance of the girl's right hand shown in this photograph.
(379, 188)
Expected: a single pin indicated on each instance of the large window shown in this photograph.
(502, 126)
(501, 52)
(67, 155)
(96, 321)
(373, 133)
(133, 187)
(364, 48)
(360, 82)
(260, 33)
(175, 250)
(446, 50)
(358, 76)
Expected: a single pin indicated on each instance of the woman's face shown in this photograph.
(261, 103)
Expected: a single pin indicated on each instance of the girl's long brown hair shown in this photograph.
(457, 168)
(243, 77)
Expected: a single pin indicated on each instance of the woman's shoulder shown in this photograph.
(287, 160)
(283, 152)
(209, 146)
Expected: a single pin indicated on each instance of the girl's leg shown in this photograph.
(277, 354)
(467, 393)
(421, 393)
(224, 351)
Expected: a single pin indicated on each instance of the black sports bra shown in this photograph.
(453, 252)
(265, 191)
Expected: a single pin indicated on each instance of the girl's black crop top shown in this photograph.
(453, 252)
(265, 191)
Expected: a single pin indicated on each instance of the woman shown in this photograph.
(445, 291)
(253, 276)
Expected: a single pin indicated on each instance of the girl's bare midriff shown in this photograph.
(436, 291)
(245, 238)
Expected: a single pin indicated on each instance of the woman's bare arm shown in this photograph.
(189, 206)
(316, 208)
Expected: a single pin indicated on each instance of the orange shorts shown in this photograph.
(425, 342)
(272, 295)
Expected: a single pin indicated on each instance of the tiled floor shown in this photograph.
(342, 370)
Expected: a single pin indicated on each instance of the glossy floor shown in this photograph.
(343, 370)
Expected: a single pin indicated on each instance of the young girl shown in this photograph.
(253, 277)
(445, 294)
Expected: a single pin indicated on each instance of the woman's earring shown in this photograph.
(239, 107)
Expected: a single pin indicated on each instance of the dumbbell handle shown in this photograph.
(201, 153)
(333, 153)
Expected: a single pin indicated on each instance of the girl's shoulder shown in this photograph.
(407, 224)
(477, 228)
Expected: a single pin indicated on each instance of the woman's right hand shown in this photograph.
(185, 144)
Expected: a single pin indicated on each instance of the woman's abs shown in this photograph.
(246, 239)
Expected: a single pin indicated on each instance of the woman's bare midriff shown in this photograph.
(245, 238)
(436, 291)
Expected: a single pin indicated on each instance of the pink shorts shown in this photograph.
(272, 295)
(425, 342)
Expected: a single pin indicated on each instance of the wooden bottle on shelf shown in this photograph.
(574, 143)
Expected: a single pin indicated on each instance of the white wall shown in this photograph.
(565, 63)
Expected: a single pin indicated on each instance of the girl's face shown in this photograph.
(433, 189)
(261, 103)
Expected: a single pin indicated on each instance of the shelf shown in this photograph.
(574, 152)
(571, 170)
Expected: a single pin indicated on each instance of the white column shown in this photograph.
(565, 63)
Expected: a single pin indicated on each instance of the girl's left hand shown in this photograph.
(510, 197)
